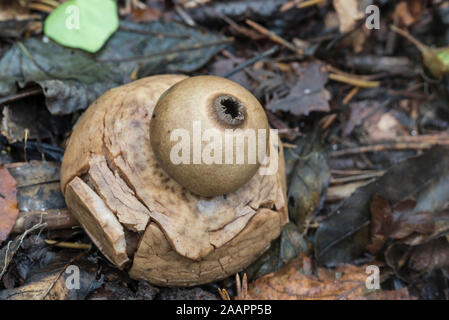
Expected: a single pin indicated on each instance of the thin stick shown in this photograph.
(354, 178)
(50, 3)
(40, 7)
(287, 145)
(251, 61)
(20, 95)
(328, 120)
(354, 81)
(392, 146)
(308, 3)
(351, 95)
(224, 294)
(351, 172)
(423, 48)
(69, 245)
(288, 5)
(274, 37)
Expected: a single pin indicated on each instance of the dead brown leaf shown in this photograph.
(298, 281)
(8, 203)
(348, 13)
(430, 256)
(398, 222)
(408, 12)
(145, 14)
(12, 10)
(381, 223)
(307, 94)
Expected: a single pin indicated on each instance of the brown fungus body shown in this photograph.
(199, 105)
(143, 220)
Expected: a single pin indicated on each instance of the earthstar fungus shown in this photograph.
(142, 219)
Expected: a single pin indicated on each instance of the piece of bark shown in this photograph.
(98, 221)
(39, 196)
(55, 219)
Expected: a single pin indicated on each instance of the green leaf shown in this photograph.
(444, 56)
(83, 24)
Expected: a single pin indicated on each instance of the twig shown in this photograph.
(274, 37)
(185, 16)
(287, 145)
(351, 95)
(251, 61)
(327, 121)
(354, 178)
(21, 238)
(289, 5)
(354, 81)
(59, 275)
(423, 48)
(391, 146)
(69, 245)
(308, 3)
(20, 95)
(224, 294)
(51, 3)
(56, 219)
(40, 7)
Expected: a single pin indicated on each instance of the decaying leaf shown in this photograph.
(160, 47)
(8, 251)
(430, 256)
(343, 237)
(39, 196)
(58, 277)
(15, 19)
(398, 222)
(348, 13)
(299, 281)
(288, 246)
(381, 223)
(307, 94)
(69, 83)
(76, 78)
(8, 203)
(408, 12)
(308, 175)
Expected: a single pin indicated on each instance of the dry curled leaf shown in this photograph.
(430, 256)
(348, 13)
(299, 281)
(53, 279)
(398, 222)
(8, 203)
